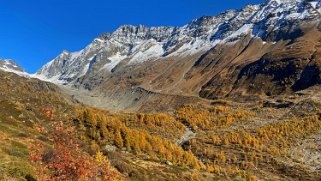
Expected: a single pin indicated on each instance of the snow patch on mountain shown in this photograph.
(152, 51)
(114, 60)
(12, 66)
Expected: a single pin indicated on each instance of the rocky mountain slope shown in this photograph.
(12, 66)
(262, 50)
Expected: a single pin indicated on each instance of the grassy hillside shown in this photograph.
(29, 114)
(46, 135)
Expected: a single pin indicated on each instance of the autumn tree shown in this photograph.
(118, 139)
(65, 160)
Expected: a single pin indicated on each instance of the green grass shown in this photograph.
(16, 149)
(7, 130)
(14, 161)
(16, 168)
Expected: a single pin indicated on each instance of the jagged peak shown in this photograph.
(284, 1)
(132, 29)
(251, 7)
(9, 65)
(201, 20)
(6, 60)
(140, 27)
(66, 52)
(9, 62)
(104, 36)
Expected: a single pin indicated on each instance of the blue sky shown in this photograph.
(33, 32)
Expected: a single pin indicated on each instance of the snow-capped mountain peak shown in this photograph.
(11, 66)
(131, 45)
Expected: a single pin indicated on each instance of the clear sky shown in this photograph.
(33, 32)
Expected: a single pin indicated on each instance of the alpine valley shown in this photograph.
(235, 96)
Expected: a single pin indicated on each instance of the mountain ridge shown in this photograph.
(8, 65)
(141, 43)
(211, 57)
